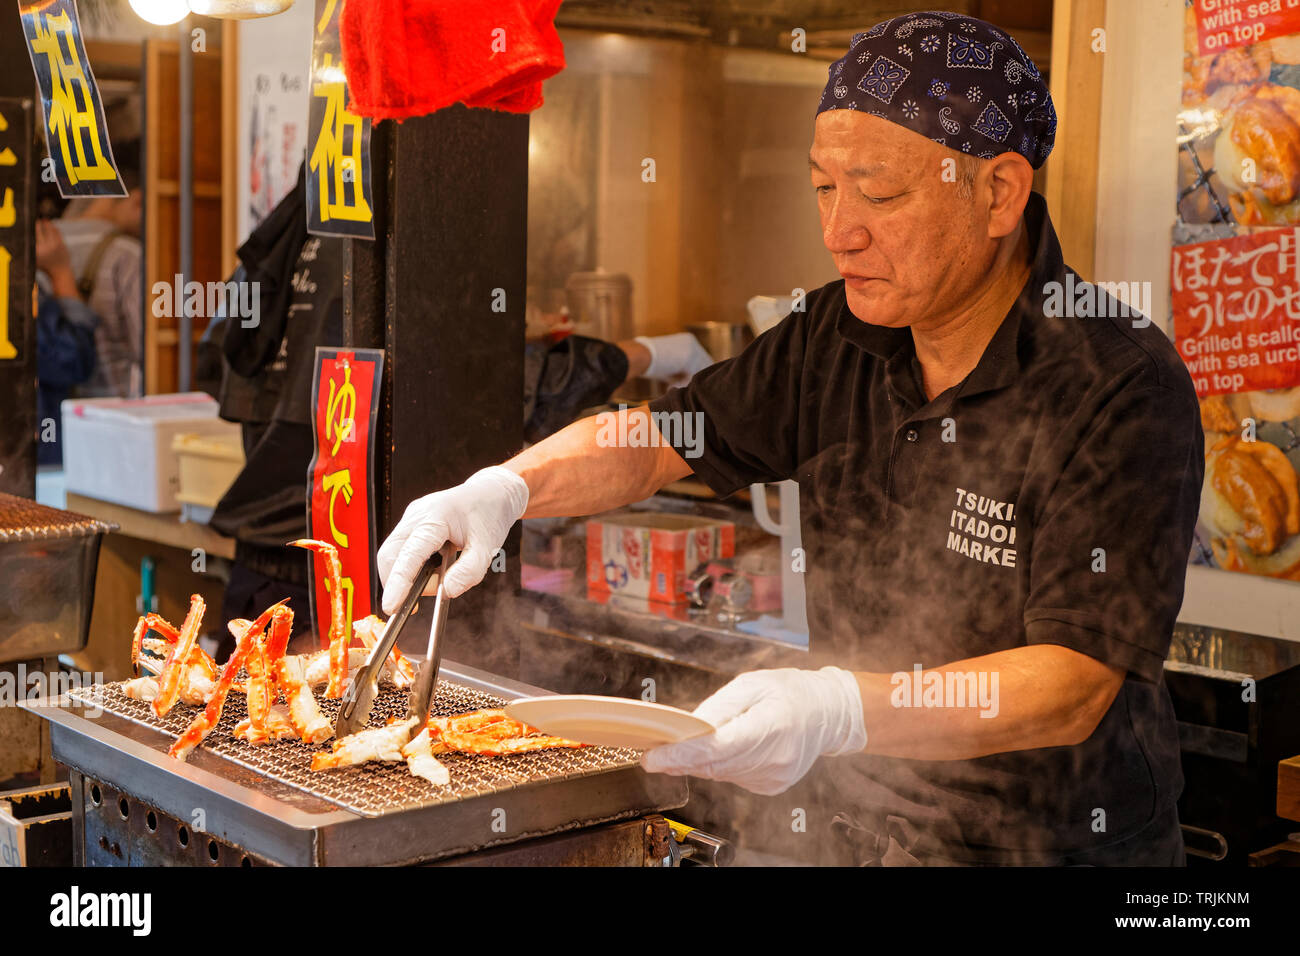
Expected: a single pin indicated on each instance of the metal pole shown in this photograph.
(186, 197)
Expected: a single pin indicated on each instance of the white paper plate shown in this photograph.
(608, 721)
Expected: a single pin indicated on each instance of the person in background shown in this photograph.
(566, 374)
(65, 338)
(102, 237)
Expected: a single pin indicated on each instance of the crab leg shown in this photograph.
(304, 713)
(278, 727)
(257, 689)
(141, 626)
(150, 622)
(169, 680)
(166, 628)
(421, 761)
(203, 723)
(198, 674)
(281, 627)
(338, 619)
(495, 747)
(373, 743)
(370, 630)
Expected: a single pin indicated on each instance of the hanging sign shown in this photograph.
(76, 133)
(340, 508)
(339, 201)
(15, 229)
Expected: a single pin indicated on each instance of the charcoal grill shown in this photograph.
(236, 804)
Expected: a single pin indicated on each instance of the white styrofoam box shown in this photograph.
(120, 449)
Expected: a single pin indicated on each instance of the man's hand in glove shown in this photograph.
(771, 726)
(474, 516)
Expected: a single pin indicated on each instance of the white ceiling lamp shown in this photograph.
(161, 12)
(239, 9)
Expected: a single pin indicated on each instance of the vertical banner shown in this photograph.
(17, 277)
(76, 133)
(15, 227)
(340, 508)
(339, 201)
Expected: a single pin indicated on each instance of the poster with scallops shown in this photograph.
(1235, 275)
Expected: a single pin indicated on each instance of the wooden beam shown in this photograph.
(1072, 168)
(230, 237)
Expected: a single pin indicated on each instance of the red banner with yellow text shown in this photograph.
(1236, 307)
(340, 508)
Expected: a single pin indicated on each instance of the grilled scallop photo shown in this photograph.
(1251, 507)
(1257, 154)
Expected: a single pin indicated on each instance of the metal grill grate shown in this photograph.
(373, 789)
(22, 519)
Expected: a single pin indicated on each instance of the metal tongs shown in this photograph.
(359, 700)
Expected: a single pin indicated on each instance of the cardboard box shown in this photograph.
(648, 555)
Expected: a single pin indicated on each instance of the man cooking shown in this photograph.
(997, 500)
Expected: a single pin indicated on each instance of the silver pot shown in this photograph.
(600, 304)
(722, 340)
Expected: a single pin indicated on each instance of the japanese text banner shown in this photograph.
(1236, 308)
(76, 133)
(339, 201)
(340, 507)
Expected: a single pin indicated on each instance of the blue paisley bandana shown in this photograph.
(960, 81)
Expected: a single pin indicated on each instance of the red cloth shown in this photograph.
(411, 57)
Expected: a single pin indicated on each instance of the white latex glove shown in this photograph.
(474, 516)
(772, 726)
(675, 358)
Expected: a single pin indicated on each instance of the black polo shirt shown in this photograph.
(1049, 498)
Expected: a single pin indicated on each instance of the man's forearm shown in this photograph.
(582, 470)
(1043, 695)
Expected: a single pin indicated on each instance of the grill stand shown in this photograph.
(236, 813)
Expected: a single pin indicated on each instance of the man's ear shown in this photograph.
(1009, 179)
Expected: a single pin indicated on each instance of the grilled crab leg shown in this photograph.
(150, 622)
(338, 636)
(169, 679)
(203, 723)
(276, 726)
(373, 743)
(304, 713)
(259, 688)
(489, 733)
(421, 761)
(398, 667)
(198, 677)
